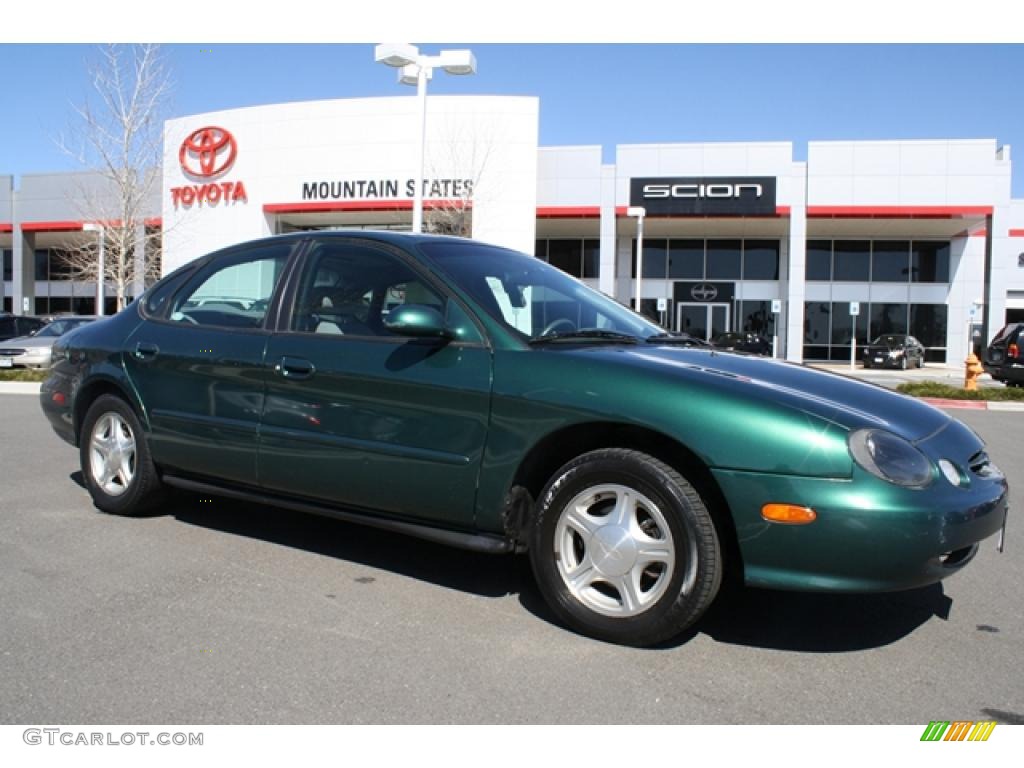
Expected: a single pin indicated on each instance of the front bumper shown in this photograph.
(30, 358)
(870, 536)
(872, 360)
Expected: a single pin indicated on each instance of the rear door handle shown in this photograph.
(295, 368)
(144, 350)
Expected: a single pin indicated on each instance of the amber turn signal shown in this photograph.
(788, 513)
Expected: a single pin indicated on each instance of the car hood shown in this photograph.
(30, 342)
(847, 402)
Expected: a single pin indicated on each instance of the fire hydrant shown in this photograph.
(974, 370)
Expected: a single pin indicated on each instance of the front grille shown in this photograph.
(11, 352)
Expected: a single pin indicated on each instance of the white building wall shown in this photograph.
(569, 176)
(490, 140)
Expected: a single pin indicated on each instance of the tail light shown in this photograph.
(1013, 350)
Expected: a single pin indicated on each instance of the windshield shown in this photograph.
(531, 297)
(888, 341)
(58, 328)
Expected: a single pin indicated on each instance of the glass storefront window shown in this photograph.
(723, 262)
(686, 259)
(567, 255)
(816, 322)
(760, 259)
(655, 258)
(852, 260)
(591, 258)
(756, 317)
(8, 257)
(888, 318)
(890, 261)
(843, 325)
(42, 261)
(819, 260)
(928, 324)
(929, 262)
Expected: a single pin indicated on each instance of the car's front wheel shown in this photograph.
(116, 465)
(624, 548)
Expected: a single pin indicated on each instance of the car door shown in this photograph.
(363, 418)
(198, 364)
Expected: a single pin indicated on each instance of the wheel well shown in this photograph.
(560, 447)
(88, 394)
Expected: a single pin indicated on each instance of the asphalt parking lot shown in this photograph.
(219, 612)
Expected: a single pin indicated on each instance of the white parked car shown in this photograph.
(34, 351)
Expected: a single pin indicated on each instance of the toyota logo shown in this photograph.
(208, 152)
(704, 292)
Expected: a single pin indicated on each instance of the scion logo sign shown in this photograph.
(206, 154)
(705, 196)
(704, 292)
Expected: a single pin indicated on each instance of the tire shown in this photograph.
(624, 549)
(866, 365)
(116, 464)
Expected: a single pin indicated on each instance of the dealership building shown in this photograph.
(858, 239)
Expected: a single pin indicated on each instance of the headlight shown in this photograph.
(895, 352)
(891, 458)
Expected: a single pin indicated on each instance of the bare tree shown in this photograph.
(118, 136)
(464, 157)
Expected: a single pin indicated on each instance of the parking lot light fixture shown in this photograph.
(416, 69)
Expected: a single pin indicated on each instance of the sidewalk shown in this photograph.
(19, 387)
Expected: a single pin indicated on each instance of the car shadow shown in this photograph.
(821, 623)
(787, 621)
(471, 572)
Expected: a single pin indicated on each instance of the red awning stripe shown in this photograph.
(569, 212)
(897, 211)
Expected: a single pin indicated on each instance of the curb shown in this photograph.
(19, 387)
(977, 405)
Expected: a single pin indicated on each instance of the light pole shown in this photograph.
(101, 266)
(416, 69)
(638, 212)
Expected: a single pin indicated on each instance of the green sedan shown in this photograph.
(472, 395)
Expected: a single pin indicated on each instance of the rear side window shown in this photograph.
(1007, 332)
(233, 291)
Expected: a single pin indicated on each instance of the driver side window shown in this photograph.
(233, 292)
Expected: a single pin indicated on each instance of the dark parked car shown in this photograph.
(743, 341)
(476, 396)
(12, 326)
(1003, 359)
(893, 350)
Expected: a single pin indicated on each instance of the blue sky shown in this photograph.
(589, 94)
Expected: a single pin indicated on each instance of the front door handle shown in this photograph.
(295, 368)
(145, 350)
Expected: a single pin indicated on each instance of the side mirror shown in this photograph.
(418, 321)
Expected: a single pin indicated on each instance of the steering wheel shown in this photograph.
(555, 324)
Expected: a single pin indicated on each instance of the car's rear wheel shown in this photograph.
(116, 464)
(624, 548)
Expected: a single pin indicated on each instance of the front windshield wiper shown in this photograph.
(676, 338)
(587, 334)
